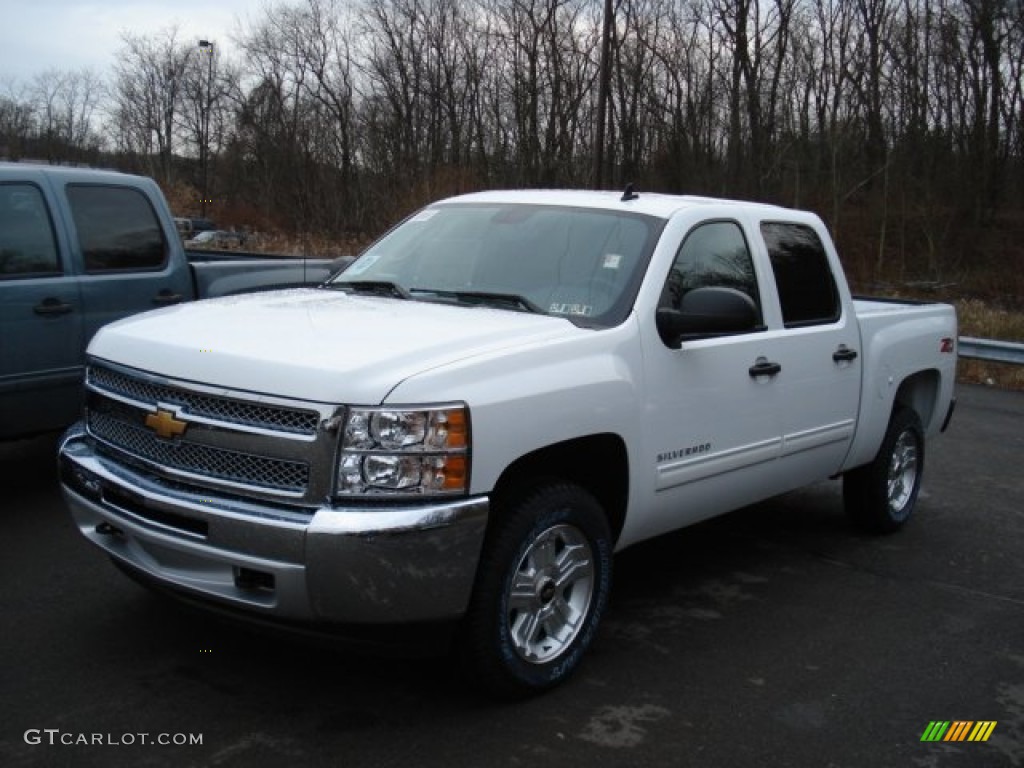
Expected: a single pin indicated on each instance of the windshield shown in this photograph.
(578, 263)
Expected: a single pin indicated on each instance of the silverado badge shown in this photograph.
(165, 424)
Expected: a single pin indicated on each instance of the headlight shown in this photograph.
(404, 450)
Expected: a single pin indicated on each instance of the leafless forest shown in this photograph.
(900, 121)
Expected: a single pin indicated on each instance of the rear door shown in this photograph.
(126, 256)
(41, 316)
(818, 349)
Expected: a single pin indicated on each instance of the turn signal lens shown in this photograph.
(455, 429)
(455, 474)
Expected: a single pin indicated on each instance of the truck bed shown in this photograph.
(217, 273)
(903, 338)
(866, 306)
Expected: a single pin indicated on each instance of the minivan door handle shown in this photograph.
(52, 306)
(763, 367)
(844, 354)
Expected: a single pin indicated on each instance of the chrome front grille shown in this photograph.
(273, 449)
(201, 460)
(232, 411)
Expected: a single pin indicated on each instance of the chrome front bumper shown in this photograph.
(351, 565)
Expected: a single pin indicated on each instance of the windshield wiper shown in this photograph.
(376, 287)
(512, 300)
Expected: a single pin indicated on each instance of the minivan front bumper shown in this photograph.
(336, 564)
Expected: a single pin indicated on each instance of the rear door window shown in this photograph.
(118, 230)
(803, 275)
(27, 244)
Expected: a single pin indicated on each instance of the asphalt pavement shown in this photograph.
(775, 636)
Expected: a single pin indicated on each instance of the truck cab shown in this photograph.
(77, 250)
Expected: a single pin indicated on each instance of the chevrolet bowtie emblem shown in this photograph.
(165, 425)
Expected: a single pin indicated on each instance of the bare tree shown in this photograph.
(758, 38)
(205, 113)
(689, 114)
(150, 77)
(64, 104)
(899, 119)
(17, 121)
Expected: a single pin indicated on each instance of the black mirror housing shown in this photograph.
(706, 312)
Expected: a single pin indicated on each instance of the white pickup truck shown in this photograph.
(506, 389)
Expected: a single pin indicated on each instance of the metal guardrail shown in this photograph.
(994, 351)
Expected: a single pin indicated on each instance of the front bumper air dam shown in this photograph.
(344, 565)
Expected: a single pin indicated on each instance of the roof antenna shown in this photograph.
(629, 194)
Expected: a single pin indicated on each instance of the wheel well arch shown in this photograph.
(920, 393)
(598, 463)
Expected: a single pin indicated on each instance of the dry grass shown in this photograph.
(983, 321)
(310, 246)
(980, 320)
(990, 374)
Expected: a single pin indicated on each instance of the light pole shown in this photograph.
(604, 85)
(204, 126)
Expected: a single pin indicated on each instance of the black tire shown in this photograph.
(553, 541)
(880, 497)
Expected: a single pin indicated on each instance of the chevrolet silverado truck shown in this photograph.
(506, 389)
(79, 248)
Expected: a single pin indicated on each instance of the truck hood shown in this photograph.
(317, 345)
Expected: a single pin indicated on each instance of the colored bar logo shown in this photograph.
(959, 730)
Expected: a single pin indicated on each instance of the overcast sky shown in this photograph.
(36, 35)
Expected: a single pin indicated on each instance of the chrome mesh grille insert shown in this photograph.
(277, 418)
(244, 468)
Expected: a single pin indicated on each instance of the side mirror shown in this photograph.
(706, 312)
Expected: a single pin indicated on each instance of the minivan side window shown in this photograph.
(714, 254)
(803, 276)
(117, 228)
(27, 244)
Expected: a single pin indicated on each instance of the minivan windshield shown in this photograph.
(582, 264)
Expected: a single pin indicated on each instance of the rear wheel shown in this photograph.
(880, 496)
(542, 587)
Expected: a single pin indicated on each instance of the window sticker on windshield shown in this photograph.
(361, 265)
(426, 215)
(612, 261)
(577, 310)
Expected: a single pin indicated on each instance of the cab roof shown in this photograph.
(649, 203)
(63, 173)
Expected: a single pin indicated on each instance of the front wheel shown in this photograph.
(880, 496)
(542, 587)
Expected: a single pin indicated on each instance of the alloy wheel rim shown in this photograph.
(550, 593)
(903, 468)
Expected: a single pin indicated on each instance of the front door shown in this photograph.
(714, 415)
